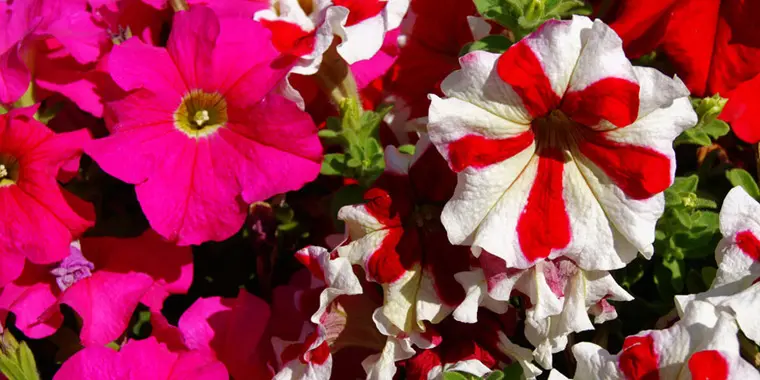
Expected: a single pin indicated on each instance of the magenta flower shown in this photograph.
(54, 42)
(103, 281)
(202, 133)
(137, 359)
(37, 217)
(227, 330)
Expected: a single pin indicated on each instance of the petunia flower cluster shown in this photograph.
(379, 189)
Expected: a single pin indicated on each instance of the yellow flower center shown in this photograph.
(201, 113)
(9, 170)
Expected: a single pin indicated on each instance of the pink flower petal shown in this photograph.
(278, 148)
(190, 46)
(29, 298)
(170, 266)
(94, 363)
(194, 196)
(127, 66)
(106, 301)
(230, 328)
(14, 76)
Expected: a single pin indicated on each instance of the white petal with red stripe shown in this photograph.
(562, 148)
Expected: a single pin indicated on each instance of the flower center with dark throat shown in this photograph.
(201, 113)
(9, 170)
(556, 130)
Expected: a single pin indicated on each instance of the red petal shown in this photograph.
(521, 69)
(639, 171)
(544, 224)
(708, 365)
(638, 360)
(613, 99)
(478, 151)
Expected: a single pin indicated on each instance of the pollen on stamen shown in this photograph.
(201, 113)
(9, 170)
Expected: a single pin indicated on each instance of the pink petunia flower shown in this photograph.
(103, 280)
(140, 359)
(562, 148)
(55, 43)
(702, 345)
(201, 133)
(227, 330)
(38, 216)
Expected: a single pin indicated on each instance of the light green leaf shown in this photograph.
(740, 177)
(334, 164)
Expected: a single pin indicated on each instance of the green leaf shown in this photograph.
(708, 275)
(682, 217)
(141, 324)
(693, 136)
(513, 371)
(685, 184)
(694, 283)
(453, 375)
(708, 127)
(334, 164)
(675, 269)
(16, 359)
(407, 149)
(716, 128)
(740, 177)
(495, 375)
(327, 134)
(495, 44)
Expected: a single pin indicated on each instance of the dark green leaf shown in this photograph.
(513, 371)
(708, 275)
(494, 44)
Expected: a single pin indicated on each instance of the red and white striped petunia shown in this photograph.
(399, 241)
(306, 28)
(559, 298)
(736, 288)
(702, 345)
(561, 146)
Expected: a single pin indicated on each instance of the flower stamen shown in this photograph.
(201, 113)
(9, 170)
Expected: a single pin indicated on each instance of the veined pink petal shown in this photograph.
(127, 66)
(193, 196)
(191, 47)
(270, 161)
